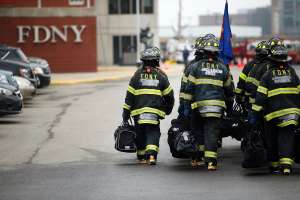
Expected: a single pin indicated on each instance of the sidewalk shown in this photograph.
(110, 73)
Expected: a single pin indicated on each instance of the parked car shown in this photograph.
(41, 70)
(14, 60)
(11, 100)
(28, 90)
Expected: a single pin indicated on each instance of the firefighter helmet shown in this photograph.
(211, 45)
(279, 54)
(262, 48)
(152, 53)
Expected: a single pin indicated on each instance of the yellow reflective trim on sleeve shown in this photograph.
(208, 103)
(184, 79)
(298, 88)
(274, 164)
(126, 106)
(167, 91)
(247, 93)
(243, 76)
(181, 95)
(188, 97)
(280, 91)
(263, 90)
(238, 91)
(131, 90)
(192, 79)
(287, 123)
(210, 82)
(286, 161)
(210, 154)
(281, 113)
(253, 81)
(200, 147)
(148, 91)
(144, 121)
(152, 147)
(141, 152)
(251, 100)
(148, 110)
(256, 107)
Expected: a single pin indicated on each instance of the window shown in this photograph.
(125, 6)
(148, 6)
(113, 6)
(288, 22)
(76, 2)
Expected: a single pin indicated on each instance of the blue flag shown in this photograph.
(226, 53)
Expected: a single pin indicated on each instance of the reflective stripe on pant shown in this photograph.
(280, 144)
(147, 140)
(211, 128)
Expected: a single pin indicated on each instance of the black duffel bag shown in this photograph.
(181, 142)
(125, 138)
(254, 152)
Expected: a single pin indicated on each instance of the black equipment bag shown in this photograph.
(254, 153)
(181, 142)
(125, 138)
(234, 123)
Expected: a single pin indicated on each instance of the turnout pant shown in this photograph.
(280, 145)
(147, 140)
(206, 131)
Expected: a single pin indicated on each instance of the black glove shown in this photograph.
(125, 115)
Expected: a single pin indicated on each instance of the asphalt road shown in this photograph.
(61, 147)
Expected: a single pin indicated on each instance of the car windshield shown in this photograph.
(15, 55)
(22, 55)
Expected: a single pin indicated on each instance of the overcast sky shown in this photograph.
(168, 9)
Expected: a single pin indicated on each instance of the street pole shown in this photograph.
(138, 30)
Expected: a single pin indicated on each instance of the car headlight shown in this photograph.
(38, 70)
(25, 73)
(6, 92)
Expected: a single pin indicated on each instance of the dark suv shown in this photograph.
(13, 59)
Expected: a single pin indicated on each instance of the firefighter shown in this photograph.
(278, 99)
(242, 95)
(209, 91)
(149, 99)
(187, 69)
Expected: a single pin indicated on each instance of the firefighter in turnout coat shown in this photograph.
(149, 99)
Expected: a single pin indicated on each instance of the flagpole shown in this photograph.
(138, 30)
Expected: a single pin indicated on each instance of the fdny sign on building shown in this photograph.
(43, 34)
(68, 43)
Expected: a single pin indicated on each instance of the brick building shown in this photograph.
(76, 35)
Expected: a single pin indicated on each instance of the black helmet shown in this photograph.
(209, 36)
(262, 48)
(211, 45)
(152, 53)
(279, 54)
(197, 42)
(275, 41)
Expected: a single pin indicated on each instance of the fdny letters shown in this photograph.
(149, 80)
(211, 69)
(44, 34)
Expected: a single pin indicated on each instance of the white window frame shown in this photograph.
(76, 2)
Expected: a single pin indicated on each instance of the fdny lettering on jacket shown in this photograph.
(281, 76)
(211, 69)
(149, 80)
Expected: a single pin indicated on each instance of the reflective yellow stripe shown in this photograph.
(279, 91)
(151, 147)
(192, 79)
(141, 152)
(200, 147)
(147, 91)
(247, 93)
(256, 107)
(188, 97)
(208, 103)
(287, 123)
(131, 90)
(286, 161)
(148, 110)
(253, 81)
(184, 79)
(209, 81)
(144, 121)
(283, 112)
(243, 76)
(211, 115)
(238, 91)
(263, 90)
(298, 88)
(181, 95)
(210, 154)
(251, 100)
(274, 164)
(126, 106)
(167, 91)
